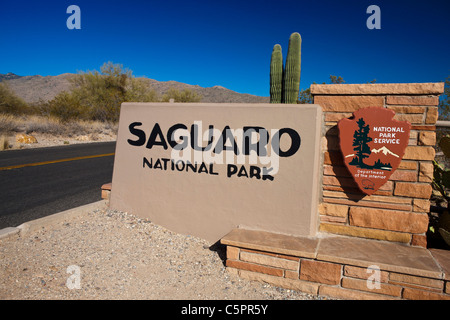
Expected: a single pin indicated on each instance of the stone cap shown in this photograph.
(378, 88)
(347, 250)
(107, 186)
(272, 242)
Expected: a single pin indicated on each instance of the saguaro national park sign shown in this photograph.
(204, 169)
(373, 145)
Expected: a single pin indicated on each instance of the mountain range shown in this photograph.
(9, 76)
(385, 151)
(37, 88)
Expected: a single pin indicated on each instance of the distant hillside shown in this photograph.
(38, 88)
(8, 76)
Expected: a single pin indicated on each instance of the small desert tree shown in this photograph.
(305, 96)
(98, 95)
(336, 79)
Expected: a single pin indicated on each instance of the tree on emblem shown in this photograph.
(360, 143)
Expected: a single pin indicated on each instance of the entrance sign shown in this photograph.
(373, 145)
(204, 169)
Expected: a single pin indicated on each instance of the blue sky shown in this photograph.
(229, 43)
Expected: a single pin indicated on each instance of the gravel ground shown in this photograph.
(119, 256)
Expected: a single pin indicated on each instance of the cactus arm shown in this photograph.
(276, 75)
(291, 85)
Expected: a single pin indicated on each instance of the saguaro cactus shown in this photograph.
(276, 75)
(291, 81)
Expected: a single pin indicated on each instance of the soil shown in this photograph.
(116, 256)
(119, 256)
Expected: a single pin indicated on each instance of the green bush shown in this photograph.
(10, 103)
(65, 106)
(185, 95)
(98, 95)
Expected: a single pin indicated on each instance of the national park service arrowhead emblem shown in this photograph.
(373, 145)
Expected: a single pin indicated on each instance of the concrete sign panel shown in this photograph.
(204, 169)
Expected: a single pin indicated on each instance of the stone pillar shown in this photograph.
(398, 211)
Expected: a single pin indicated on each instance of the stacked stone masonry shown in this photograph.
(106, 191)
(398, 210)
(340, 267)
(360, 236)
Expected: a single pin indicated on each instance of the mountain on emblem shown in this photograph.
(385, 151)
(373, 144)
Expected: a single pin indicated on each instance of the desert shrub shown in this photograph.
(305, 96)
(185, 95)
(101, 93)
(98, 95)
(52, 125)
(8, 123)
(138, 91)
(65, 106)
(10, 102)
(95, 96)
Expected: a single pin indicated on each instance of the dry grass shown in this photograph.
(81, 130)
(8, 123)
(52, 125)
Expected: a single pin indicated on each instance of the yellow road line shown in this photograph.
(55, 161)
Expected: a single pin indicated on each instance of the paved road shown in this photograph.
(54, 179)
